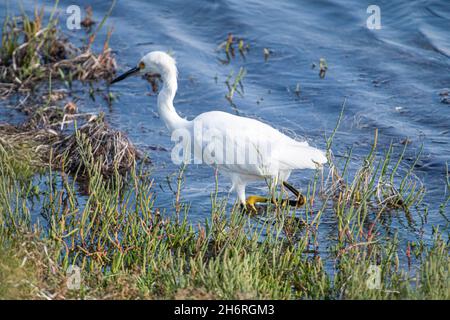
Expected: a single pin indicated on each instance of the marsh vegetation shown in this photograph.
(74, 191)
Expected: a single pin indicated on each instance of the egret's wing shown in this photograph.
(237, 144)
(235, 151)
(247, 146)
(298, 156)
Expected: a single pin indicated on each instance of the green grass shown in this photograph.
(127, 249)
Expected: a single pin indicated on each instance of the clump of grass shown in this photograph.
(40, 117)
(28, 144)
(32, 51)
(374, 184)
(41, 141)
(111, 148)
(375, 191)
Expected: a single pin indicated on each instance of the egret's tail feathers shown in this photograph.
(300, 157)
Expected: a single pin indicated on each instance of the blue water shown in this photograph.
(391, 78)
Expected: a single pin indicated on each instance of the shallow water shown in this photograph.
(391, 77)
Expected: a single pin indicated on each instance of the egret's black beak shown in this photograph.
(125, 75)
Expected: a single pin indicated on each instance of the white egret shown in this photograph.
(252, 149)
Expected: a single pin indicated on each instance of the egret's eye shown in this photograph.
(141, 65)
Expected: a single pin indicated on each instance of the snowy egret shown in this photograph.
(242, 148)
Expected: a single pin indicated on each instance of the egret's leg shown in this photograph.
(301, 200)
(240, 190)
(291, 188)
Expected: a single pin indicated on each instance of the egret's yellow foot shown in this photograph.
(252, 200)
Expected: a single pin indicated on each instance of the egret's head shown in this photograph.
(155, 63)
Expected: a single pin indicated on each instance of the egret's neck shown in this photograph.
(166, 109)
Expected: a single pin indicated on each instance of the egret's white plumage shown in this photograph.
(275, 155)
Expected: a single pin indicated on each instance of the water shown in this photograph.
(391, 77)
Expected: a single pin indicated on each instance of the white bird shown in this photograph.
(242, 148)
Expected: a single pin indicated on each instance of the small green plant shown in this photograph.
(235, 86)
(228, 47)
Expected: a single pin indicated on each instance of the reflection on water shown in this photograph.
(391, 77)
